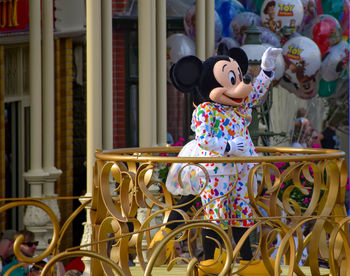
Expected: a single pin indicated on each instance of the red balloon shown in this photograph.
(326, 33)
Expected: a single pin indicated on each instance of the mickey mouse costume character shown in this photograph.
(226, 96)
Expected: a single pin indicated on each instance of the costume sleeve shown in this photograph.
(260, 86)
(209, 131)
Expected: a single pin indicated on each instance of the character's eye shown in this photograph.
(232, 77)
(240, 74)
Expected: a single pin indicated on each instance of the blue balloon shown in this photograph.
(218, 3)
(227, 11)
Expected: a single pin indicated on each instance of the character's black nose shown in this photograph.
(247, 78)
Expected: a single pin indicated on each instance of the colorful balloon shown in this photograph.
(269, 37)
(218, 27)
(335, 62)
(342, 88)
(333, 7)
(302, 58)
(282, 16)
(310, 12)
(218, 3)
(190, 22)
(229, 42)
(178, 45)
(345, 19)
(326, 32)
(326, 88)
(227, 11)
(253, 5)
(241, 22)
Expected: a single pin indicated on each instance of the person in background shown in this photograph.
(302, 129)
(315, 139)
(330, 139)
(36, 269)
(6, 247)
(28, 248)
(59, 267)
(73, 272)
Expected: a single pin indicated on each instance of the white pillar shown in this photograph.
(35, 87)
(147, 75)
(210, 28)
(161, 73)
(34, 217)
(93, 105)
(49, 110)
(200, 29)
(94, 85)
(107, 75)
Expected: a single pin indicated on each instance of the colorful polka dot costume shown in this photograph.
(215, 124)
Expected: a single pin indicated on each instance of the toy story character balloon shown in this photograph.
(335, 62)
(178, 45)
(309, 13)
(302, 58)
(241, 22)
(269, 37)
(282, 16)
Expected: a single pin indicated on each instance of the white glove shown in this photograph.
(268, 60)
(238, 146)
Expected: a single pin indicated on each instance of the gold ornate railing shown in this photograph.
(296, 188)
(316, 180)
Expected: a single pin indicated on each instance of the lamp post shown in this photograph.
(260, 113)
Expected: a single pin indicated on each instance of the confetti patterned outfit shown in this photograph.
(215, 124)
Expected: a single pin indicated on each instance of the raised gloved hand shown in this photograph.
(268, 60)
(237, 146)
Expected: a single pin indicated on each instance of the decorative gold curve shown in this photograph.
(20, 238)
(181, 228)
(65, 255)
(275, 212)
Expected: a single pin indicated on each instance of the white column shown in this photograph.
(147, 75)
(94, 85)
(49, 111)
(34, 217)
(161, 73)
(107, 75)
(200, 29)
(93, 105)
(210, 28)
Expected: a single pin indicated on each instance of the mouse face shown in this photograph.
(232, 90)
(219, 79)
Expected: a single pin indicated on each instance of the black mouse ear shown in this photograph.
(222, 49)
(185, 73)
(241, 57)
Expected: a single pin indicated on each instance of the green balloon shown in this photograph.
(259, 4)
(333, 7)
(326, 88)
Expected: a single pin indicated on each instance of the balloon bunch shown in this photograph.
(313, 34)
